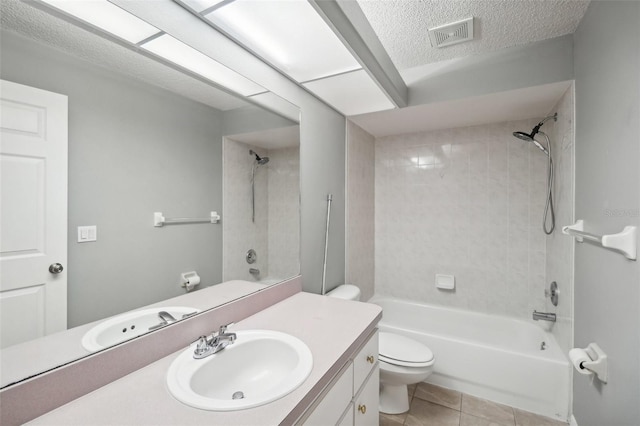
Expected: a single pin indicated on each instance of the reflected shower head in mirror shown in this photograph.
(261, 160)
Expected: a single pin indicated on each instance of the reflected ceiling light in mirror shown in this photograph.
(361, 96)
(200, 5)
(277, 104)
(106, 16)
(289, 34)
(192, 60)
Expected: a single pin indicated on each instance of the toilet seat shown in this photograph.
(402, 351)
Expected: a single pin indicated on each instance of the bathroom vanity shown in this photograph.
(342, 387)
(352, 396)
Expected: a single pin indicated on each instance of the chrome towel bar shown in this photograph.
(160, 220)
(624, 242)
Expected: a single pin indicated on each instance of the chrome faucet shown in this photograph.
(215, 344)
(545, 316)
(166, 317)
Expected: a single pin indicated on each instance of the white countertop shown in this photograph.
(26, 359)
(328, 326)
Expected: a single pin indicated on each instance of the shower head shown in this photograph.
(260, 160)
(524, 136)
(530, 137)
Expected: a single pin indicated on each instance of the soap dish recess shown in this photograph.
(445, 282)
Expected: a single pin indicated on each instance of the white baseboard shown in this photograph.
(572, 421)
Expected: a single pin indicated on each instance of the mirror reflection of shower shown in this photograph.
(530, 137)
(259, 161)
(274, 234)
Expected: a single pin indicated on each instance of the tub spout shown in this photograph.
(545, 316)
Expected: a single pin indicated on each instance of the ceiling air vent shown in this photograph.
(454, 33)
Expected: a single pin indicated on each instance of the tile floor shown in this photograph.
(435, 406)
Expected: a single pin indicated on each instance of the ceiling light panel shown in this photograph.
(191, 59)
(108, 17)
(289, 34)
(200, 5)
(351, 93)
(277, 104)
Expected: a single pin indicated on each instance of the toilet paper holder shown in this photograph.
(598, 363)
(189, 280)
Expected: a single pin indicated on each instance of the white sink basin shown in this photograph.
(260, 367)
(127, 326)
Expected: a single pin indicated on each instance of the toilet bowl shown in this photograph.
(403, 361)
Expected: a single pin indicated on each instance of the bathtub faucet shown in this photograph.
(545, 316)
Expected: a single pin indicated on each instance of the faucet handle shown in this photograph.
(202, 345)
(223, 328)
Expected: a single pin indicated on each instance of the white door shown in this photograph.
(33, 213)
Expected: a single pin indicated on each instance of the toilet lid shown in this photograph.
(400, 350)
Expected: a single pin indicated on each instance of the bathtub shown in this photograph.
(488, 356)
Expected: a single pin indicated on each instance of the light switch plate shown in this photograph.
(87, 233)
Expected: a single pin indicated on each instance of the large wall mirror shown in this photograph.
(144, 137)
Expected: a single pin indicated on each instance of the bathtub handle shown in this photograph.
(370, 359)
(362, 408)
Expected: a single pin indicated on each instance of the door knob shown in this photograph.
(362, 408)
(55, 268)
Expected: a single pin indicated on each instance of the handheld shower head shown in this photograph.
(260, 160)
(530, 137)
(524, 136)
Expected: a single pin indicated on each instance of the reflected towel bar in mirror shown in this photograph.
(160, 220)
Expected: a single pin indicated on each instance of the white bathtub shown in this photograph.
(492, 357)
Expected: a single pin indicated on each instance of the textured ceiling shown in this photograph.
(401, 25)
(26, 20)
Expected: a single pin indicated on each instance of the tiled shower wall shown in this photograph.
(466, 202)
(360, 210)
(275, 235)
(284, 212)
(559, 262)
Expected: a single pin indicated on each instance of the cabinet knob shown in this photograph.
(370, 359)
(362, 408)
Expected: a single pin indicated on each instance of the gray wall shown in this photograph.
(322, 171)
(607, 149)
(133, 150)
(534, 64)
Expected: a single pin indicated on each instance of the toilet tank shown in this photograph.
(345, 291)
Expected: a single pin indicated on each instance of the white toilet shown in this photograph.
(403, 361)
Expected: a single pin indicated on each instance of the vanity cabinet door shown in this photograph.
(366, 402)
(330, 409)
(356, 387)
(347, 418)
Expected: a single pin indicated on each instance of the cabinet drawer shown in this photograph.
(364, 361)
(366, 402)
(333, 403)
